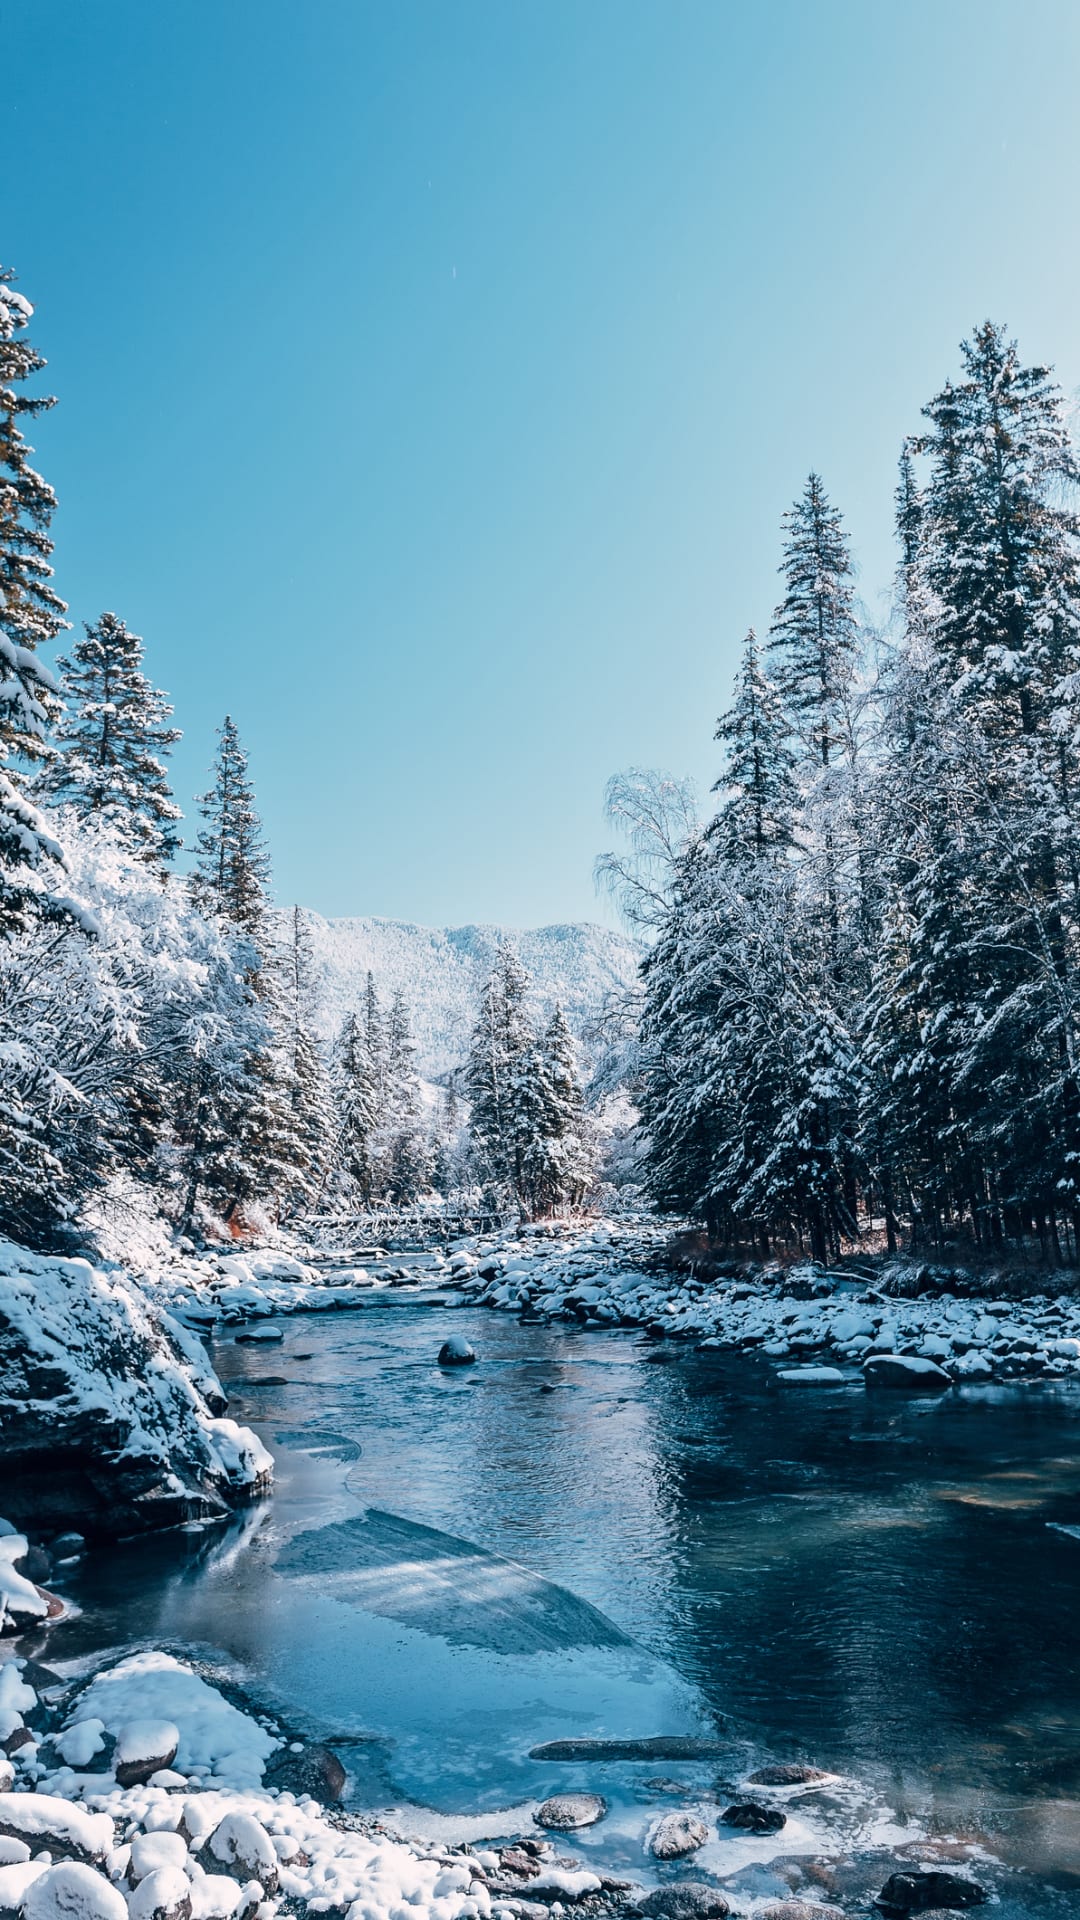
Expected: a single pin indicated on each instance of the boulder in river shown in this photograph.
(456, 1352)
(916, 1890)
(798, 1910)
(906, 1373)
(565, 1812)
(787, 1774)
(316, 1772)
(749, 1816)
(676, 1835)
(684, 1900)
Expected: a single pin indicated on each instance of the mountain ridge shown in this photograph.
(441, 970)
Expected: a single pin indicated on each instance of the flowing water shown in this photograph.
(584, 1535)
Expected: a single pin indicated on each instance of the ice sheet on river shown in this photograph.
(443, 1585)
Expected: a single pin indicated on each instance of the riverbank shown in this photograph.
(611, 1274)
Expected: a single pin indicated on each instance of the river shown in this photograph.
(585, 1535)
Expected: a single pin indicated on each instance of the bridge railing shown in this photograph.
(377, 1226)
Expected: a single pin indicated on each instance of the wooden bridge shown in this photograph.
(399, 1229)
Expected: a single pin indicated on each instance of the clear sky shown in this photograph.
(432, 377)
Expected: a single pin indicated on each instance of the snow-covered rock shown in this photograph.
(144, 1747)
(164, 1894)
(907, 1372)
(212, 1735)
(456, 1352)
(564, 1812)
(241, 1844)
(71, 1891)
(16, 1878)
(676, 1835)
(21, 1602)
(811, 1376)
(108, 1407)
(43, 1820)
(151, 1852)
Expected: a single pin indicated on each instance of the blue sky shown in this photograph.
(432, 377)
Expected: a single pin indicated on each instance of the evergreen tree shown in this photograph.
(559, 1164)
(407, 1154)
(31, 861)
(310, 1122)
(814, 638)
(999, 530)
(503, 1081)
(354, 1162)
(760, 795)
(232, 865)
(113, 739)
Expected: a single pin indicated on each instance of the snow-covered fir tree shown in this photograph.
(232, 865)
(31, 613)
(113, 739)
(814, 636)
(407, 1153)
(526, 1120)
(354, 1161)
(560, 1161)
(311, 1115)
(759, 810)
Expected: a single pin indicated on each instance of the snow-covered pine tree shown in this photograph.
(406, 1153)
(353, 1173)
(31, 861)
(113, 740)
(232, 868)
(761, 800)
(301, 1069)
(503, 1081)
(559, 1161)
(375, 1040)
(970, 1106)
(998, 533)
(814, 635)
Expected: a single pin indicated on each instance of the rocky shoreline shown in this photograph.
(901, 1324)
(144, 1791)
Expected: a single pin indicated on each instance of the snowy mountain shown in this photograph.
(440, 970)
